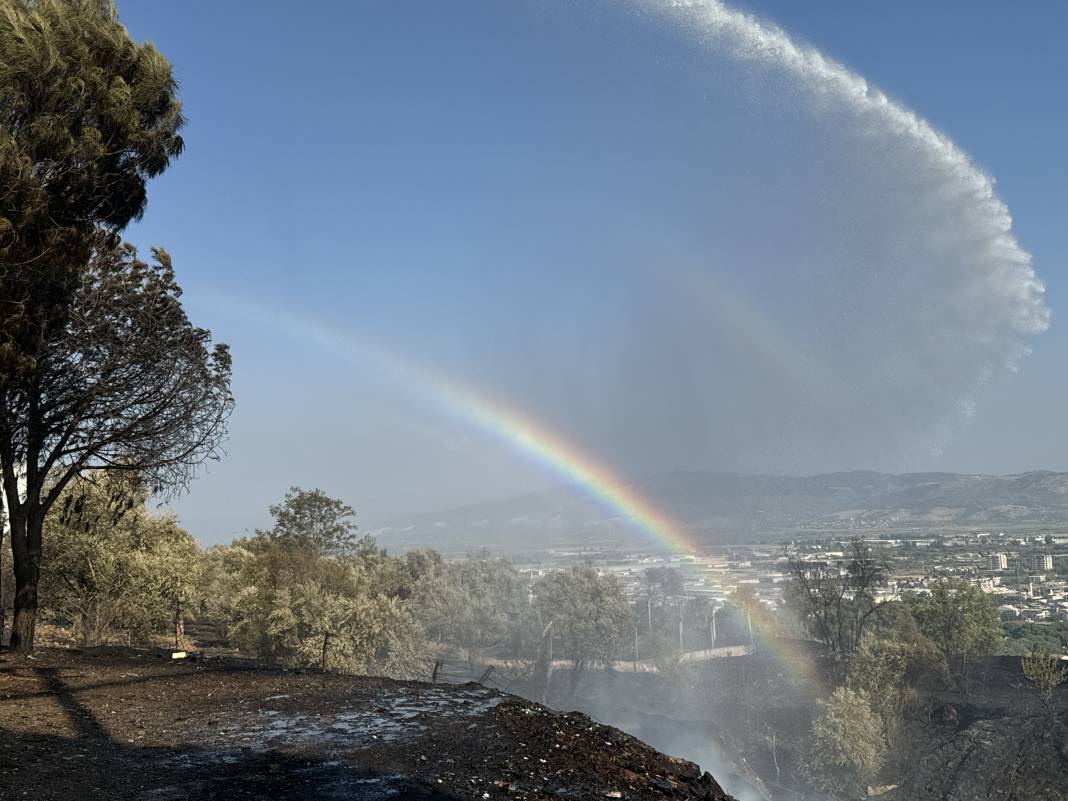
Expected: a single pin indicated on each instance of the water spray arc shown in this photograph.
(984, 219)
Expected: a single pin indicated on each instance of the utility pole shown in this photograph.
(635, 647)
(714, 626)
(547, 653)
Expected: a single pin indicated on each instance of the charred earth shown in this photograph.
(122, 724)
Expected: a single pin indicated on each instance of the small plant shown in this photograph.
(846, 747)
(1044, 670)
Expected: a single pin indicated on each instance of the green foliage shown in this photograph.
(111, 566)
(286, 602)
(121, 381)
(312, 519)
(1025, 637)
(99, 367)
(589, 614)
(878, 671)
(962, 622)
(1044, 670)
(479, 605)
(131, 383)
(87, 116)
(846, 748)
(897, 625)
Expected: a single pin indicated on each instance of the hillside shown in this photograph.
(120, 725)
(718, 506)
(1000, 742)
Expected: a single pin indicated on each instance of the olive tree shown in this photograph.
(289, 604)
(479, 605)
(588, 612)
(879, 671)
(962, 622)
(111, 566)
(846, 748)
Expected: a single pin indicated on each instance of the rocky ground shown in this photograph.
(123, 724)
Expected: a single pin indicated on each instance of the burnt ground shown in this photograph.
(1000, 742)
(123, 724)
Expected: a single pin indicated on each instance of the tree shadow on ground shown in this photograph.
(92, 766)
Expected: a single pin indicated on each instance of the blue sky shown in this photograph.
(669, 256)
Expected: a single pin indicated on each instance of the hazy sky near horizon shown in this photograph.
(671, 253)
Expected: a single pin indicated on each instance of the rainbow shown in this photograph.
(503, 422)
(533, 439)
(544, 446)
(795, 656)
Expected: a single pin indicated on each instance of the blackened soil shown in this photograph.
(122, 724)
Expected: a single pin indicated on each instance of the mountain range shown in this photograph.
(725, 507)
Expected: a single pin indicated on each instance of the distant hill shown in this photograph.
(719, 506)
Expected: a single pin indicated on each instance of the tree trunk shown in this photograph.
(26, 556)
(179, 624)
(25, 621)
(326, 645)
(3, 608)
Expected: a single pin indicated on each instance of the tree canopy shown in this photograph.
(314, 520)
(588, 612)
(837, 599)
(110, 565)
(123, 382)
(87, 116)
(962, 622)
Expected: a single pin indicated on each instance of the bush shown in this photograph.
(285, 602)
(1044, 670)
(112, 567)
(847, 748)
